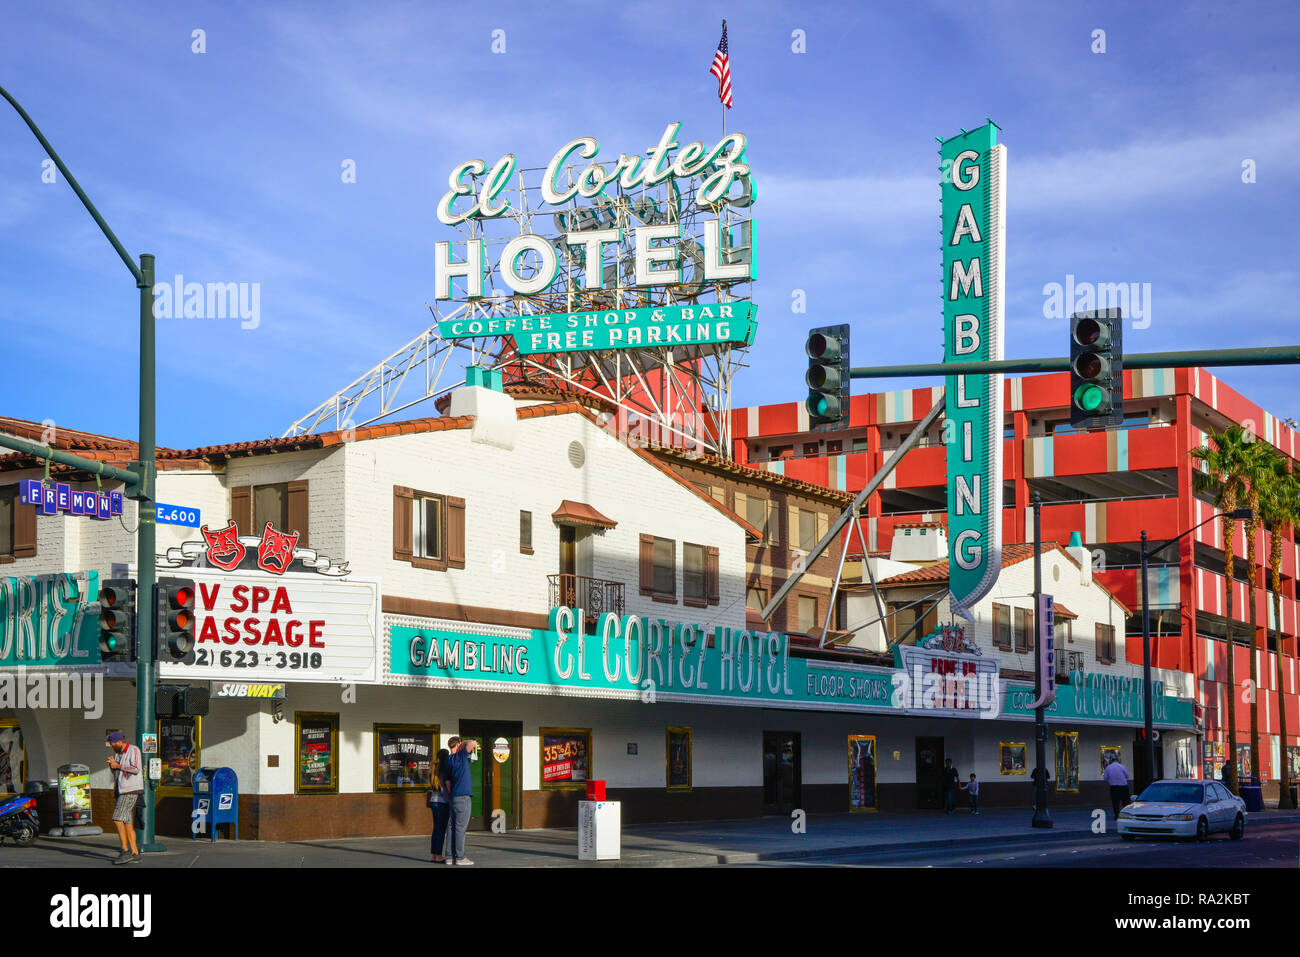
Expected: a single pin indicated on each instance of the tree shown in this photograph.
(1280, 507)
(1223, 463)
(1257, 472)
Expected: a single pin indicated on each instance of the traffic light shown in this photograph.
(1096, 369)
(828, 376)
(117, 620)
(173, 700)
(174, 621)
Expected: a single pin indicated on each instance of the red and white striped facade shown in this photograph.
(1184, 405)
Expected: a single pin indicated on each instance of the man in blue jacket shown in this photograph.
(460, 773)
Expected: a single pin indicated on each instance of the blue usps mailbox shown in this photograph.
(216, 801)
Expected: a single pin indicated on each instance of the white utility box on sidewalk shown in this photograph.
(599, 830)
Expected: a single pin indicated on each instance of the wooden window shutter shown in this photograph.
(298, 511)
(402, 523)
(241, 508)
(772, 534)
(823, 525)
(795, 539)
(455, 532)
(711, 575)
(647, 564)
(24, 530)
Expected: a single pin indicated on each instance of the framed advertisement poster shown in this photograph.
(316, 768)
(862, 772)
(1109, 753)
(404, 756)
(1067, 761)
(13, 758)
(679, 756)
(179, 750)
(566, 757)
(1012, 756)
(1212, 757)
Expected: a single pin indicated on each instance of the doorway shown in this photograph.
(498, 779)
(929, 773)
(782, 772)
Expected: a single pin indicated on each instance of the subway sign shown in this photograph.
(973, 197)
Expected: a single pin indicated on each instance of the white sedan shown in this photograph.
(1184, 809)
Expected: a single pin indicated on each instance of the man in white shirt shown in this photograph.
(1116, 775)
(128, 784)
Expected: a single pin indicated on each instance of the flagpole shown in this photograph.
(720, 103)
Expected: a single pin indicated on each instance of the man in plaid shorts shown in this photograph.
(128, 785)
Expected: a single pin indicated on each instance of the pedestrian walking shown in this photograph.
(440, 805)
(951, 781)
(128, 786)
(973, 792)
(460, 777)
(1117, 776)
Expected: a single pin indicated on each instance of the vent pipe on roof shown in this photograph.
(1082, 556)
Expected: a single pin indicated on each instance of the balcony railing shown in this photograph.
(594, 596)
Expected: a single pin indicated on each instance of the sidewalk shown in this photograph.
(658, 845)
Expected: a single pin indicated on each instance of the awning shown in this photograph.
(580, 513)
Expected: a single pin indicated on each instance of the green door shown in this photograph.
(497, 781)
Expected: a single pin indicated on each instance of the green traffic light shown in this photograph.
(1089, 397)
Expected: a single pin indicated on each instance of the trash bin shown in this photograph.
(1252, 794)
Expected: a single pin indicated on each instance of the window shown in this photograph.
(778, 452)
(1106, 644)
(1024, 629)
(317, 767)
(694, 592)
(901, 620)
(807, 527)
(13, 769)
(755, 600)
(807, 614)
(566, 757)
(659, 568)
(834, 447)
(271, 504)
(810, 449)
(17, 526)
(427, 533)
(525, 532)
(404, 756)
(860, 445)
(759, 512)
(678, 759)
(284, 505)
(1001, 627)
(429, 529)
(8, 506)
(1068, 625)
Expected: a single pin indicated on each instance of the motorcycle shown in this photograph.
(18, 819)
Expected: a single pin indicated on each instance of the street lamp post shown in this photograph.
(139, 479)
(1042, 817)
(1240, 514)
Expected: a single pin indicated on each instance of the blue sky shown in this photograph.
(1123, 166)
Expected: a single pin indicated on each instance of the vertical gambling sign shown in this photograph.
(972, 189)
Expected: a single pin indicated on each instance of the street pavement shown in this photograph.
(998, 836)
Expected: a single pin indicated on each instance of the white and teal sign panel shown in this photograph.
(972, 187)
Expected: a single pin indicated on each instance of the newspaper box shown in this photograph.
(599, 830)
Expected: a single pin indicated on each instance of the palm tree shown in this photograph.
(1257, 472)
(1223, 461)
(1280, 507)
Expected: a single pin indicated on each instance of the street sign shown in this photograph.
(177, 515)
(973, 174)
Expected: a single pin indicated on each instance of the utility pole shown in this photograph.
(139, 479)
(1042, 818)
(1149, 746)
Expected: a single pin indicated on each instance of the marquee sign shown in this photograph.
(249, 628)
(275, 552)
(972, 190)
(49, 620)
(637, 244)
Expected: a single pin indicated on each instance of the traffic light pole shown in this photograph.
(139, 480)
(1265, 356)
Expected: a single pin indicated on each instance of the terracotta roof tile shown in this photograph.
(749, 472)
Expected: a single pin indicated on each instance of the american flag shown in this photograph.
(722, 69)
